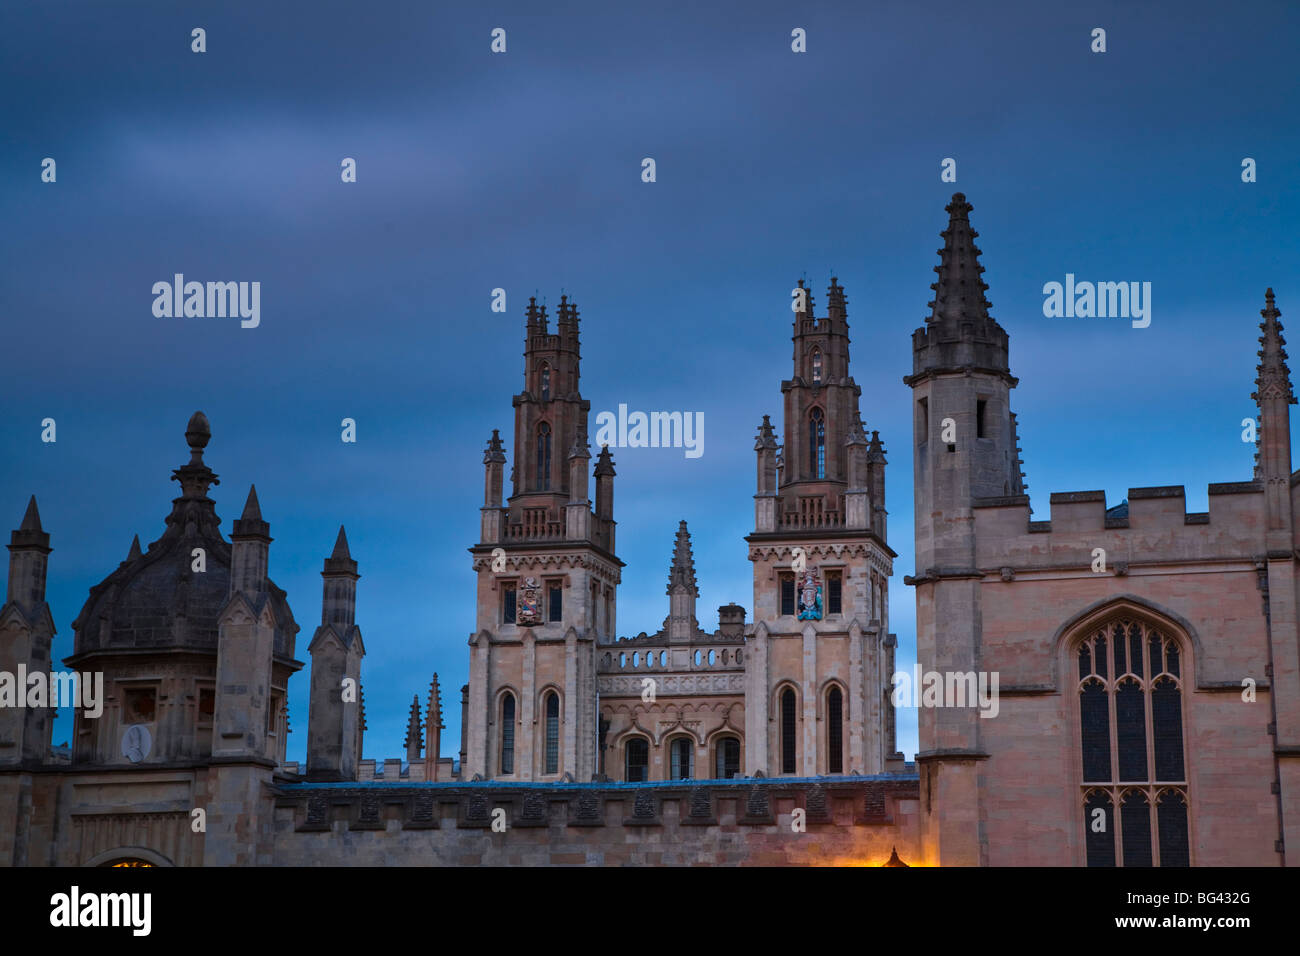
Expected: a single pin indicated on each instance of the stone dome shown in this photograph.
(155, 599)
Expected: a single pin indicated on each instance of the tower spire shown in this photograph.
(681, 573)
(414, 738)
(682, 623)
(959, 293)
(1273, 378)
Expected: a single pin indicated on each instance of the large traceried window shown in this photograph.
(1135, 803)
(817, 443)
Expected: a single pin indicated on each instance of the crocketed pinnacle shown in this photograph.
(959, 293)
(681, 573)
(1274, 378)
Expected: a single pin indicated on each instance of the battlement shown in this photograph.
(386, 770)
(847, 820)
(1151, 525)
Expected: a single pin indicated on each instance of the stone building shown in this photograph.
(1121, 638)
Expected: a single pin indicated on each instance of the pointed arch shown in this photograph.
(816, 442)
(543, 457)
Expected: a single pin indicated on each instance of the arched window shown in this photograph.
(681, 753)
(787, 731)
(636, 759)
(507, 733)
(727, 758)
(546, 382)
(1131, 740)
(834, 731)
(817, 366)
(817, 443)
(552, 709)
(543, 457)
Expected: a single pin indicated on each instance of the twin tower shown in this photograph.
(803, 689)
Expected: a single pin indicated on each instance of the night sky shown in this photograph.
(523, 171)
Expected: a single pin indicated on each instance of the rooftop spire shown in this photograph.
(495, 450)
(681, 573)
(252, 510)
(31, 517)
(959, 293)
(414, 737)
(604, 463)
(1274, 378)
(134, 554)
(766, 437)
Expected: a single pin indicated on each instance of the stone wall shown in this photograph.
(849, 820)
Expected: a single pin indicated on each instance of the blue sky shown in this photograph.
(522, 171)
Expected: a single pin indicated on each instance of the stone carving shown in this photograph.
(810, 595)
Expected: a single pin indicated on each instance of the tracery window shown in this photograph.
(546, 382)
(1134, 798)
(817, 366)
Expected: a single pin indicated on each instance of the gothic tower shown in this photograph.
(547, 576)
(336, 714)
(965, 441)
(818, 668)
(26, 632)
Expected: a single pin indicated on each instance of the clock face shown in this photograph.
(136, 743)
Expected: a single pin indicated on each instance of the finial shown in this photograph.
(197, 434)
(134, 554)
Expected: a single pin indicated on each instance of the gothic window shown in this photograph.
(834, 592)
(1135, 798)
(835, 731)
(543, 457)
(817, 443)
(637, 760)
(727, 758)
(507, 733)
(980, 405)
(787, 593)
(788, 729)
(681, 751)
(507, 604)
(546, 382)
(817, 366)
(552, 707)
(555, 602)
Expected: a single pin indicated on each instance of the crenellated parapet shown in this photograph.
(844, 821)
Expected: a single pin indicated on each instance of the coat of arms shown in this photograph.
(529, 612)
(810, 595)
